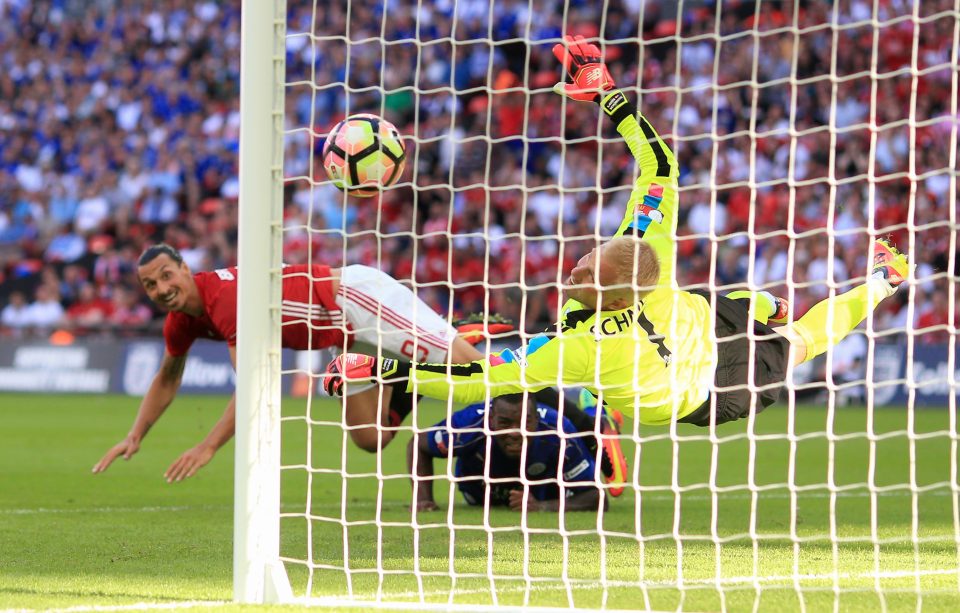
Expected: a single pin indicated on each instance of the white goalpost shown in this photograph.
(804, 130)
(258, 574)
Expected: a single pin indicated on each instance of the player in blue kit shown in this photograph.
(556, 469)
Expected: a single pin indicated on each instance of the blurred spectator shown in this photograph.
(92, 210)
(89, 311)
(74, 277)
(934, 319)
(113, 267)
(63, 205)
(127, 312)
(65, 247)
(158, 208)
(17, 313)
(45, 311)
(822, 271)
(731, 267)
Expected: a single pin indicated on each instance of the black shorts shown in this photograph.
(769, 354)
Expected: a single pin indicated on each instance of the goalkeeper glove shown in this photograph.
(474, 328)
(356, 367)
(584, 64)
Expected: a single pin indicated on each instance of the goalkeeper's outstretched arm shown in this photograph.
(651, 210)
(507, 372)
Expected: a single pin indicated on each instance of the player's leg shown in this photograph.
(373, 414)
(613, 463)
(368, 407)
(462, 352)
(386, 317)
(362, 415)
(752, 364)
(830, 320)
(385, 314)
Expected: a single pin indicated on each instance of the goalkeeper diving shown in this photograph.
(627, 333)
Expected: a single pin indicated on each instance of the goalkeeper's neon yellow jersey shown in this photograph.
(653, 360)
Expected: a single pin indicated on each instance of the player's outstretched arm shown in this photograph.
(197, 457)
(465, 382)
(507, 372)
(651, 211)
(421, 474)
(163, 389)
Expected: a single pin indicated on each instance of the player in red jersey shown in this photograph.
(322, 308)
(353, 307)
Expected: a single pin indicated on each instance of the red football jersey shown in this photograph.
(311, 318)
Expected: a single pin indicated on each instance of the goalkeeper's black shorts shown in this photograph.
(769, 355)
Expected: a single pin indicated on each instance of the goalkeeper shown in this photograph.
(627, 333)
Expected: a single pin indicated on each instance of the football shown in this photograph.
(364, 154)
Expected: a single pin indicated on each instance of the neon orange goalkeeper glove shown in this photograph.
(584, 64)
(475, 328)
(356, 367)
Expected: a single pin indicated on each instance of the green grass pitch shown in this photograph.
(70, 539)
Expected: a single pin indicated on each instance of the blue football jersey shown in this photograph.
(549, 462)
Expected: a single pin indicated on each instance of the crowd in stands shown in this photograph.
(119, 127)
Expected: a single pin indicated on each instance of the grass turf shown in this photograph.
(73, 539)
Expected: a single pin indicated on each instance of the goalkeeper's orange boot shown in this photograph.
(889, 263)
(613, 463)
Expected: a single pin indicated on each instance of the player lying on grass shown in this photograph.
(628, 334)
(557, 473)
(323, 307)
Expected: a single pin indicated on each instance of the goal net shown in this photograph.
(803, 130)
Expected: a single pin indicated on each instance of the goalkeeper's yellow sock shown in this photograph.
(765, 305)
(830, 320)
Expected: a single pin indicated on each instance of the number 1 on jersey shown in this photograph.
(656, 339)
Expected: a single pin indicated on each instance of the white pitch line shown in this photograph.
(536, 586)
(140, 606)
(579, 584)
(360, 603)
(170, 509)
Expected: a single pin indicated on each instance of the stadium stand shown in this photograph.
(119, 128)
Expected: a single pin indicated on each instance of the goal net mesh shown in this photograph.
(803, 131)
